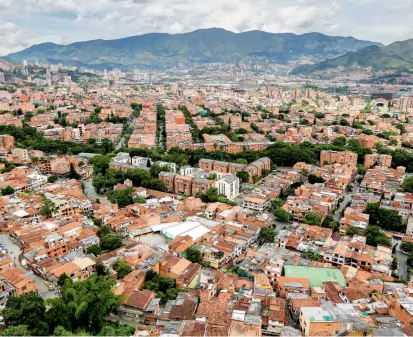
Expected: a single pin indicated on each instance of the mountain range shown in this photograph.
(160, 51)
(396, 56)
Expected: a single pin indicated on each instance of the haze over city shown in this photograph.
(27, 22)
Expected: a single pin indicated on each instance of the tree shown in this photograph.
(313, 256)
(7, 190)
(408, 185)
(101, 269)
(26, 309)
(407, 247)
(351, 231)
(395, 264)
(313, 219)
(139, 200)
(53, 178)
(313, 179)
(121, 197)
(18, 330)
(48, 208)
(385, 218)
(340, 141)
(282, 215)
(375, 237)
(193, 254)
(329, 222)
(277, 203)
(122, 268)
(62, 279)
(94, 249)
(103, 229)
(212, 176)
(72, 173)
(101, 164)
(244, 176)
(266, 235)
(156, 169)
(361, 170)
(111, 242)
(241, 161)
(164, 287)
(83, 305)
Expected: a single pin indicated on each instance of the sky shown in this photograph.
(27, 22)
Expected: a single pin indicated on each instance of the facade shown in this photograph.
(371, 160)
(6, 143)
(201, 185)
(315, 321)
(257, 204)
(341, 157)
(228, 186)
(183, 185)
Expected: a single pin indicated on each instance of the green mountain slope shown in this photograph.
(201, 46)
(397, 56)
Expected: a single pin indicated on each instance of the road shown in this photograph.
(346, 202)
(402, 259)
(91, 193)
(120, 144)
(14, 252)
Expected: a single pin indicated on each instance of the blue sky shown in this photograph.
(27, 22)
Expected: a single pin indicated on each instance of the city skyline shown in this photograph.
(24, 23)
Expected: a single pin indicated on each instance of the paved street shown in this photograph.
(346, 202)
(14, 251)
(91, 193)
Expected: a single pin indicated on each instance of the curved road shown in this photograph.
(14, 252)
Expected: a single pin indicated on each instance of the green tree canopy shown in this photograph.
(340, 141)
(313, 219)
(18, 330)
(94, 249)
(193, 254)
(282, 215)
(266, 235)
(244, 176)
(72, 173)
(408, 184)
(313, 179)
(385, 218)
(375, 237)
(83, 305)
(26, 309)
(351, 231)
(122, 268)
(277, 203)
(53, 178)
(111, 242)
(7, 190)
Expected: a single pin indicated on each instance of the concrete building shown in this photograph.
(228, 186)
(371, 160)
(6, 143)
(315, 321)
(341, 157)
(183, 185)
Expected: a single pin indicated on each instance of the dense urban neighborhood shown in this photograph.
(151, 208)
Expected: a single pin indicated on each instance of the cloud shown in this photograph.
(24, 22)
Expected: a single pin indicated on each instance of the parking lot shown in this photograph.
(155, 241)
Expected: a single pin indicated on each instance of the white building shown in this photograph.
(171, 166)
(140, 161)
(228, 186)
(36, 181)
